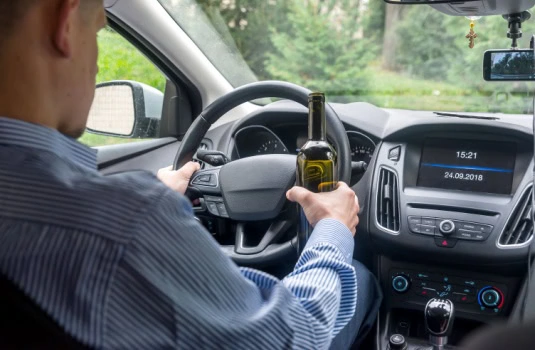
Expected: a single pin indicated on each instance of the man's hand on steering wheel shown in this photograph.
(178, 180)
(341, 204)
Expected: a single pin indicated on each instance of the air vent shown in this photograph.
(203, 146)
(519, 227)
(388, 201)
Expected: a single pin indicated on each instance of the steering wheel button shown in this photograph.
(212, 208)
(222, 210)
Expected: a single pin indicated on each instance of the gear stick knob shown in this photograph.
(439, 314)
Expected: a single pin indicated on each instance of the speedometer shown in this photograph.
(272, 146)
(256, 140)
(362, 147)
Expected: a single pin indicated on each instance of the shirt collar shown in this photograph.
(15, 132)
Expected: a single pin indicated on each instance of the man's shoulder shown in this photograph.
(112, 205)
(123, 199)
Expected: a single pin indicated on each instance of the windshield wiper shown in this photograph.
(441, 114)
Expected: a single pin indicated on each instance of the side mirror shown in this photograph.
(126, 109)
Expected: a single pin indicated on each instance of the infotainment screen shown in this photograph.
(467, 165)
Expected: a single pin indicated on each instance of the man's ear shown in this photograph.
(65, 19)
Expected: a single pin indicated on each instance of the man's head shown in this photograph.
(49, 61)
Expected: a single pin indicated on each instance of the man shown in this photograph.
(119, 261)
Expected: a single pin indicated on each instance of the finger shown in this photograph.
(169, 168)
(188, 169)
(298, 194)
(341, 185)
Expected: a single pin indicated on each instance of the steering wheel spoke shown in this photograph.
(274, 232)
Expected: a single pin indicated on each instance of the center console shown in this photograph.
(451, 218)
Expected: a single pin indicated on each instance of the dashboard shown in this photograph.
(445, 201)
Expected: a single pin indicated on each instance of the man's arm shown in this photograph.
(175, 284)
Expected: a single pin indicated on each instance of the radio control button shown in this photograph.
(414, 220)
(468, 226)
(415, 228)
(427, 230)
(429, 222)
(481, 236)
(487, 229)
(471, 235)
(446, 227)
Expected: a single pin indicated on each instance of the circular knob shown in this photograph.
(397, 342)
(446, 227)
(400, 284)
(491, 298)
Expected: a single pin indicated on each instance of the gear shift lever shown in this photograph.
(439, 314)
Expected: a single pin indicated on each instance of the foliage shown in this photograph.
(248, 23)
(322, 51)
(373, 22)
(120, 60)
(425, 43)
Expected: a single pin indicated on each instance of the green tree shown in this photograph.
(373, 22)
(426, 48)
(323, 50)
(248, 23)
(120, 60)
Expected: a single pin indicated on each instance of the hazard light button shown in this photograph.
(445, 242)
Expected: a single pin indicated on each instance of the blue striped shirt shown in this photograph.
(120, 262)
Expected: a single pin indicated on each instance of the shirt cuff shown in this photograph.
(333, 232)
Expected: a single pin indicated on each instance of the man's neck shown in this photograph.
(24, 93)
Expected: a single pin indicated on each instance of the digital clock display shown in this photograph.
(466, 165)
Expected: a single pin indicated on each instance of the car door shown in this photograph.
(123, 60)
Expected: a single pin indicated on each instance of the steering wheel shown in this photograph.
(254, 188)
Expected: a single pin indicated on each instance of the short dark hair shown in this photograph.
(11, 11)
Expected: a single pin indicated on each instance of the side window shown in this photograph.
(115, 106)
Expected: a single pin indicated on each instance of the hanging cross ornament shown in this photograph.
(471, 36)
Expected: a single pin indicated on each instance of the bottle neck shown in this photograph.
(316, 121)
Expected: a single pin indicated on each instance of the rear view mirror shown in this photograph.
(509, 65)
(126, 109)
(423, 2)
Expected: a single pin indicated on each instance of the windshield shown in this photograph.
(407, 57)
